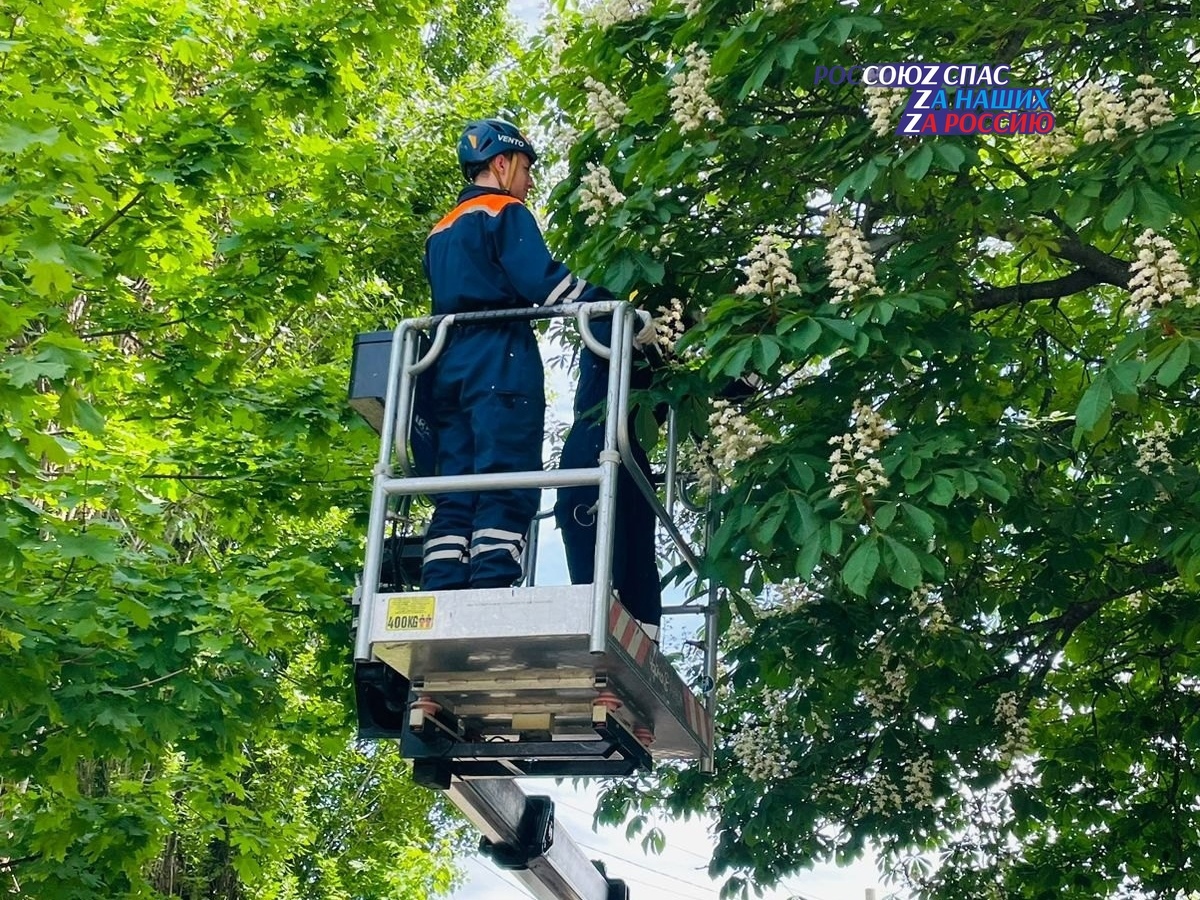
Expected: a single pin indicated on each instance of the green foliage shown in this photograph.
(981, 658)
(201, 204)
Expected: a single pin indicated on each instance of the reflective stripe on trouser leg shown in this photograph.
(496, 540)
(448, 546)
(444, 564)
(491, 550)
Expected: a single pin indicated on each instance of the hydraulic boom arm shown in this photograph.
(519, 834)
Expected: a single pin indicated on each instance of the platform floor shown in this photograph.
(491, 655)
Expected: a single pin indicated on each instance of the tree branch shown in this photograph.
(16, 19)
(995, 297)
(6, 865)
(116, 216)
(153, 681)
(131, 331)
(1109, 269)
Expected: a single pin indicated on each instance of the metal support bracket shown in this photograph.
(535, 836)
(520, 835)
(438, 756)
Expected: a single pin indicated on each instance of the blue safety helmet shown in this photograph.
(485, 138)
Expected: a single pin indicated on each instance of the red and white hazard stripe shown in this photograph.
(698, 719)
(623, 627)
(628, 633)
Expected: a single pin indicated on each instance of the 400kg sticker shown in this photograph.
(410, 613)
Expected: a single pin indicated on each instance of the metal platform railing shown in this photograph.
(394, 477)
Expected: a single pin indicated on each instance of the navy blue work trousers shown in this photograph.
(635, 558)
(475, 539)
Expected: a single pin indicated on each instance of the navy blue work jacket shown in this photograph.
(488, 253)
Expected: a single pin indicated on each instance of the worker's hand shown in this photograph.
(647, 336)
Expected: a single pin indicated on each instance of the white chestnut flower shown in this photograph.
(1101, 113)
(605, 109)
(761, 747)
(1149, 106)
(929, 609)
(1153, 452)
(852, 270)
(883, 104)
(608, 13)
(668, 325)
(598, 194)
(1157, 276)
(882, 699)
(1013, 725)
(732, 438)
(768, 269)
(1051, 147)
(691, 103)
(885, 797)
(855, 466)
(918, 782)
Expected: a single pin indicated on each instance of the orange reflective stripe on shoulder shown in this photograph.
(491, 204)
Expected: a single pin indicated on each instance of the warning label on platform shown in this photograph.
(410, 613)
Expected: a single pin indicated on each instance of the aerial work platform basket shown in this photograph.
(531, 680)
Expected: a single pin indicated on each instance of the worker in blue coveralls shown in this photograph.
(488, 384)
(635, 575)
